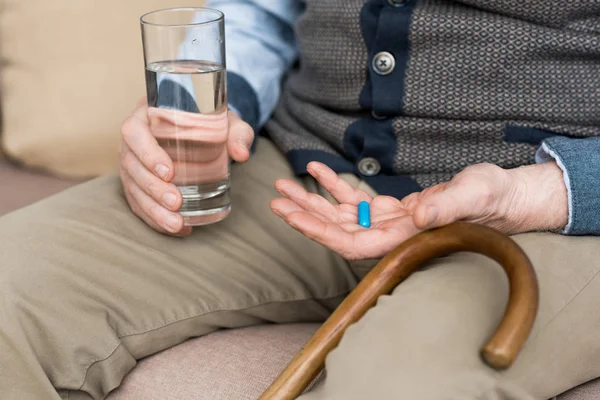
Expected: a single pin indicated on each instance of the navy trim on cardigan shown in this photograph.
(299, 159)
(369, 137)
(369, 16)
(398, 186)
(523, 134)
(390, 185)
(386, 28)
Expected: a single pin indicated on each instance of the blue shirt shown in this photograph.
(261, 49)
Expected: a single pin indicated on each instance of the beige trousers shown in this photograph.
(86, 289)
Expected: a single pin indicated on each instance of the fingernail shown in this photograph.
(162, 171)
(431, 214)
(172, 222)
(314, 170)
(170, 200)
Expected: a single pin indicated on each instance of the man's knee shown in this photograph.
(423, 341)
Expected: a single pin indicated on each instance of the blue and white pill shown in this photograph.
(364, 214)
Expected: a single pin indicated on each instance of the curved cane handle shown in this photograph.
(500, 351)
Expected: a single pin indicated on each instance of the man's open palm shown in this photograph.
(336, 226)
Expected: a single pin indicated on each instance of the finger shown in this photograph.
(133, 204)
(241, 136)
(137, 209)
(386, 207)
(411, 201)
(453, 203)
(157, 216)
(138, 137)
(186, 231)
(341, 190)
(284, 206)
(162, 192)
(397, 231)
(312, 202)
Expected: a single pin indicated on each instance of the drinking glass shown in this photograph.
(184, 53)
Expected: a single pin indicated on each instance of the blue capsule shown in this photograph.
(364, 214)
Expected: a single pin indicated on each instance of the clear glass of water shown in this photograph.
(184, 52)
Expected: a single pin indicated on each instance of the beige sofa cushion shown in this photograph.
(236, 365)
(228, 365)
(73, 71)
(19, 187)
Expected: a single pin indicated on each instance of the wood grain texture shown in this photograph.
(499, 352)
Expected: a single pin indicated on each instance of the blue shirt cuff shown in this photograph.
(243, 99)
(579, 159)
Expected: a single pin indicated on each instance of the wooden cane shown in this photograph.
(499, 352)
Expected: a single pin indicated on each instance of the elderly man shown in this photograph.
(433, 111)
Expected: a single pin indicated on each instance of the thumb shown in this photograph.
(452, 204)
(241, 136)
